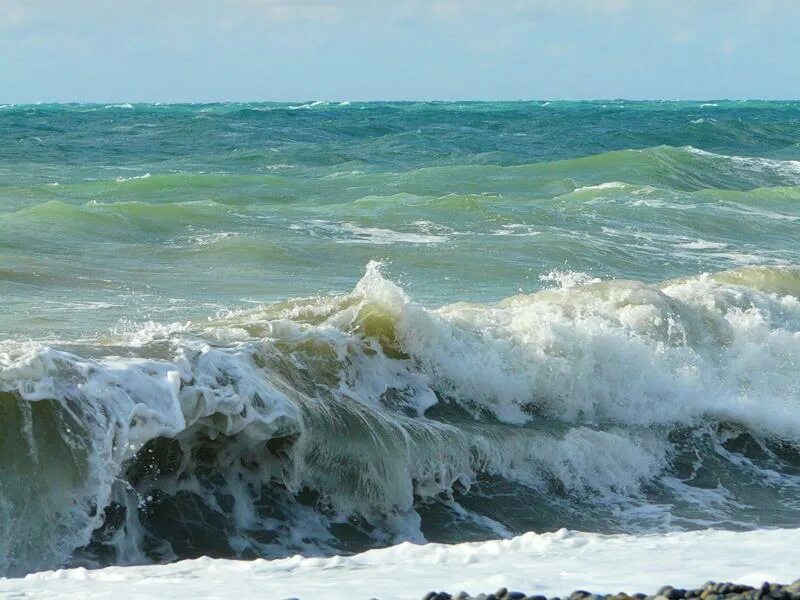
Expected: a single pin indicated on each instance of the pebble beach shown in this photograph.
(709, 591)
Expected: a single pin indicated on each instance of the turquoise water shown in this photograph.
(260, 329)
(174, 212)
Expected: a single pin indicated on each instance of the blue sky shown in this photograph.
(182, 50)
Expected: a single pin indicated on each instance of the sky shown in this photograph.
(289, 50)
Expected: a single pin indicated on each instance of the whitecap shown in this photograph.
(133, 178)
(757, 164)
(568, 279)
(608, 185)
(382, 236)
(309, 105)
(201, 240)
(702, 245)
(516, 230)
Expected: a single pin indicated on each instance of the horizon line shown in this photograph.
(319, 102)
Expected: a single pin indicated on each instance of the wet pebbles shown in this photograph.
(709, 591)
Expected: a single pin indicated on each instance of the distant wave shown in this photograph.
(665, 167)
(309, 105)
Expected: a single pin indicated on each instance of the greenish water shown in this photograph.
(260, 329)
(171, 213)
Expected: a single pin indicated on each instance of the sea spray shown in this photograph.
(585, 315)
(339, 423)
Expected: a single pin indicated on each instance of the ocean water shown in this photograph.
(255, 330)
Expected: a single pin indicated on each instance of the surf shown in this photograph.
(337, 423)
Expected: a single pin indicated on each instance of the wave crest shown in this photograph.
(342, 422)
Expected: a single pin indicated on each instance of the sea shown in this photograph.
(257, 331)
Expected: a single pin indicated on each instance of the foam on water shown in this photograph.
(702, 245)
(310, 105)
(788, 168)
(378, 235)
(124, 179)
(608, 185)
(352, 233)
(553, 564)
(344, 422)
(540, 367)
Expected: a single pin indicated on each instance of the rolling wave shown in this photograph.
(684, 168)
(338, 423)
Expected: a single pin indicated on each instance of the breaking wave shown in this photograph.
(338, 423)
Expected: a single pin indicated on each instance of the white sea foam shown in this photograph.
(761, 212)
(432, 228)
(785, 168)
(309, 105)
(136, 335)
(608, 185)
(201, 240)
(352, 233)
(381, 236)
(85, 305)
(552, 564)
(744, 258)
(135, 177)
(338, 174)
(516, 230)
(568, 279)
(656, 203)
(619, 363)
(702, 245)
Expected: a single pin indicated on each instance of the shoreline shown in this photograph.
(709, 591)
(553, 564)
